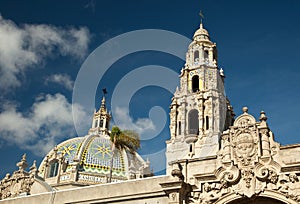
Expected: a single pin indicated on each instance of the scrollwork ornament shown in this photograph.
(262, 174)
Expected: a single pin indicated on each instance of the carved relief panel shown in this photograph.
(243, 168)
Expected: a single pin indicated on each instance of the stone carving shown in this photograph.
(291, 187)
(247, 175)
(185, 188)
(211, 193)
(177, 172)
(20, 182)
(247, 165)
(244, 148)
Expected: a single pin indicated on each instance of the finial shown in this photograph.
(7, 176)
(245, 109)
(23, 163)
(103, 102)
(24, 157)
(104, 91)
(103, 99)
(221, 72)
(202, 17)
(33, 168)
(33, 165)
(263, 116)
(55, 149)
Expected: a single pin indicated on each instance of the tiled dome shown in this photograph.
(93, 154)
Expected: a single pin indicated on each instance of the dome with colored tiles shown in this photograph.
(87, 160)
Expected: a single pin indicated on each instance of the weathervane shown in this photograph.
(104, 91)
(201, 15)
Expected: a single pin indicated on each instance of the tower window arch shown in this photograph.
(101, 123)
(193, 122)
(195, 83)
(196, 55)
(96, 123)
(215, 54)
(53, 168)
(205, 54)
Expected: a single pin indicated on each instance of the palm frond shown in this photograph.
(127, 139)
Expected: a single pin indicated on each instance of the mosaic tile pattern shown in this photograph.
(97, 157)
(70, 148)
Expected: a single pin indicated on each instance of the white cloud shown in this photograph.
(48, 121)
(22, 47)
(125, 122)
(62, 79)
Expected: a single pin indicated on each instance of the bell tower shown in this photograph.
(199, 111)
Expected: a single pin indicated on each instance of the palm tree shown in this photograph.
(127, 140)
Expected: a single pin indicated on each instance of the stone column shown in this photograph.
(226, 148)
(265, 143)
(210, 54)
(264, 130)
(201, 54)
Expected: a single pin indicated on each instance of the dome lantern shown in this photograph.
(201, 34)
(101, 120)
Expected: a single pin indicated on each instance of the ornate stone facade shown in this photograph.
(248, 164)
(248, 167)
(20, 182)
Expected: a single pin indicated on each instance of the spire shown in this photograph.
(101, 118)
(103, 106)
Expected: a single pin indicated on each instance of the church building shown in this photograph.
(212, 156)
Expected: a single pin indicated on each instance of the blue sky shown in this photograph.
(44, 45)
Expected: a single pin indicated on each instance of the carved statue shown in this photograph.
(292, 188)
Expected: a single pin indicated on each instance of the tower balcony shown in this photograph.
(191, 138)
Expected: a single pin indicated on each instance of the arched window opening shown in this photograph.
(193, 122)
(53, 170)
(207, 122)
(179, 128)
(195, 83)
(101, 123)
(215, 54)
(107, 125)
(205, 54)
(196, 55)
(96, 123)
